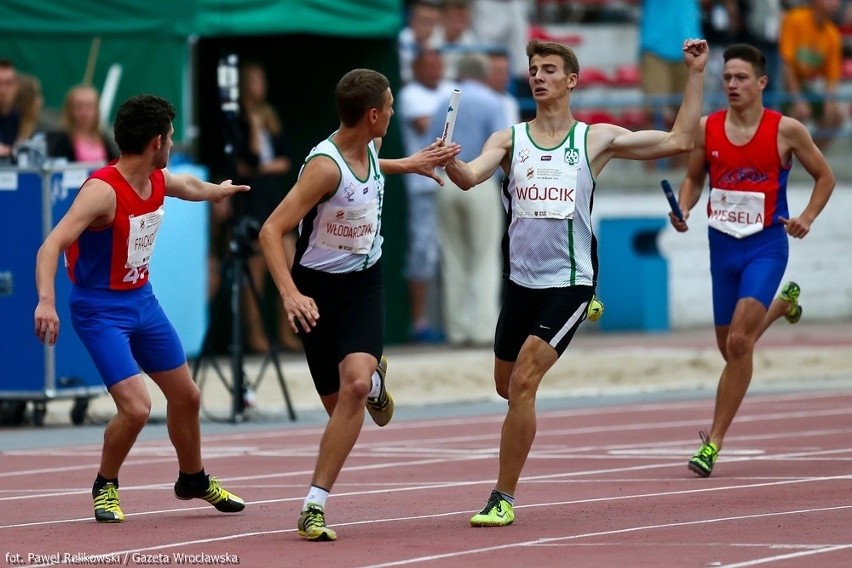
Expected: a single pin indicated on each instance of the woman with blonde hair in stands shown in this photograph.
(82, 138)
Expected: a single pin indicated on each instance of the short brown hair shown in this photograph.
(569, 58)
(749, 54)
(357, 92)
(139, 120)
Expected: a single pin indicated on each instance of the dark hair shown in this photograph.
(569, 58)
(6, 63)
(749, 54)
(357, 92)
(140, 119)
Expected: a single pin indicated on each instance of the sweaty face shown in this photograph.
(548, 79)
(741, 83)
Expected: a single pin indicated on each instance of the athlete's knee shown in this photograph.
(522, 387)
(136, 413)
(192, 400)
(187, 399)
(739, 344)
(354, 386)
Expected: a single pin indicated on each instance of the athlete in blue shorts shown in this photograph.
(108, 236)
(747, 151)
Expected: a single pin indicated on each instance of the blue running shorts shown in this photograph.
(124, 331)
(751, 267)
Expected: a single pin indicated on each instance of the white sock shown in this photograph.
(316, 496)
(376, 388)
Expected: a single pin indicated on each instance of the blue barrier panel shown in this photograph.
(179, 264)
(633, 279)
(33, 202)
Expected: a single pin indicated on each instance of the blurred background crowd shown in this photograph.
(448, 257)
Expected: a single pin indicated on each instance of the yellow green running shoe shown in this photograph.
(381, 406)
(215, 494)
(497, 513)
(595, 309)
(704, 459)
(790, 293)
(107, 502)
(311, 524)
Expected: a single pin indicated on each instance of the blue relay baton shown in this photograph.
(667, 189)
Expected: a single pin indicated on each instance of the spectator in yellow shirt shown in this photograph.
(811, 50)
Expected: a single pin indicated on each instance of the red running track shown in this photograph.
(604, 486)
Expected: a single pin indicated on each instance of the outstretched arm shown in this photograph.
(609, 141)
(494, 153)
(190, 188)
(422, 162)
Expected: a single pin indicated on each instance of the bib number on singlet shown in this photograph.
(134, 275)
(143, 235)
(349, 229)
(737, 213)
(546, 193)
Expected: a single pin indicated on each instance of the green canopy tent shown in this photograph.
(65, 43)
(171, 49)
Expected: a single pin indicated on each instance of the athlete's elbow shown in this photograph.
(684, 143)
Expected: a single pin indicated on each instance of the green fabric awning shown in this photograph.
(208, 18)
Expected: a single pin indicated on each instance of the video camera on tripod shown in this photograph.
(245, 231)
(244, 234)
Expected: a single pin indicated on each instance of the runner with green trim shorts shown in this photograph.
(550, 165)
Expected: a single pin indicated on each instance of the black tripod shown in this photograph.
(235, 274)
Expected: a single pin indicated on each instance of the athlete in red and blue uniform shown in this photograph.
(748, 200)
(114, 310)
(747, 151)
(108, 236)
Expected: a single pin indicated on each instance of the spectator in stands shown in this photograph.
(471, 223)
(504, 24)
(663, 27)
(721, 26)
(10, 119)
(844, 17)
(498, 79)
(262, 163)
(423, 18)
(811, 52)
(454, 36)
(761, 27)
(82, 139)
(30, 102)
(418, 101)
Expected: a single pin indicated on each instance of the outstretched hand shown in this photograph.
(229, 189)
(436, 154)
(695, 53)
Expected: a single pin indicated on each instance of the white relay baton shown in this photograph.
(452, 111)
